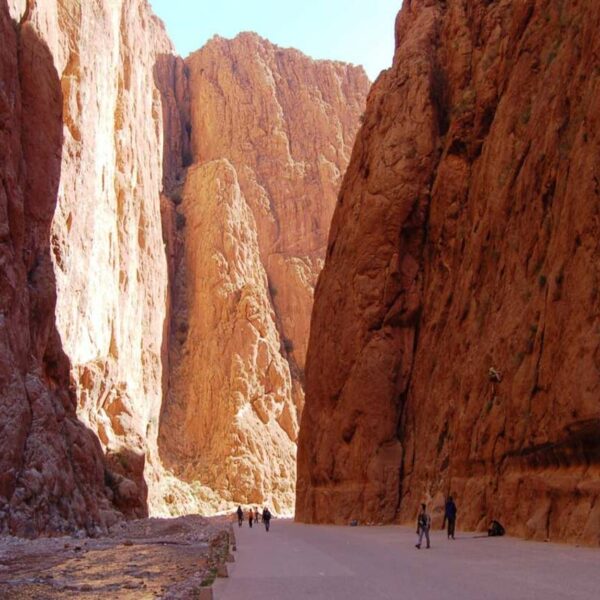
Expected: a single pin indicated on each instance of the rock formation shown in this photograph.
(52, 475)
(88, 173)
(271, 133)
(454, 340)
(116, 298)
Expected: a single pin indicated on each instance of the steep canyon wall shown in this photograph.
(271, 134)
(164, 223)
(454, 341)
(85, 139)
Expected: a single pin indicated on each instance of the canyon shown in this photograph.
(454, 341)
(166, 223)
(159, 254)
(271, 133)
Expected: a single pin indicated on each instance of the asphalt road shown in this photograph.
(325, 562)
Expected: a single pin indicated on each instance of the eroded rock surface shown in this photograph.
(51, 465)
(454, 341)
(84, 145)
(97, 117)
(271, 133)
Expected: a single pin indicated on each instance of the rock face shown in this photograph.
(271, 133)
(454, 342)
(52, 475)
(117, 299)
(82, 222)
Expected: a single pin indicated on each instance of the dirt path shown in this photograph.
(321, 562)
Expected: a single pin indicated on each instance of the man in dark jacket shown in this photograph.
(450, 516)
(266, 517)
(240, 516)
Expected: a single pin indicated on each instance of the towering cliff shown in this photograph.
(271, 133)
(454, 341)
(82, 205)
(123, 305)
(51, 468)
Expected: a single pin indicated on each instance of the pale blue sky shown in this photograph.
(355, 31)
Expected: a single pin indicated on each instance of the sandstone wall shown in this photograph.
(52, 476)
(106, 76)
(271, 134)
(465, 239)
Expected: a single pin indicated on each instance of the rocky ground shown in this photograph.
(148, 558)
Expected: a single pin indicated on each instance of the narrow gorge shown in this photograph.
(164, 225)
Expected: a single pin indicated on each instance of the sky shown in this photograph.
(354, 31)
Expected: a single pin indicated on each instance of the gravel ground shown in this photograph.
(149, 558)
(325, 562)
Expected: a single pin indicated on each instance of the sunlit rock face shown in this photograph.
(93, 112)
(107, 239)
(454, 341)
(271, 133)
(52, 476)
(121, 301)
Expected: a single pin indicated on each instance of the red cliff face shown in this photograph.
(271, 133)
(84, 299)
(454, 341)
(145, 284)
(52, 475)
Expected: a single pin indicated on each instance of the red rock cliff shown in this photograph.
(85, 267)
(454, 341)
(271, 134)
(52, 475)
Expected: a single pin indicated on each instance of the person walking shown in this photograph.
(266, 517)
(240, 516)
(250, 517)
(256, 515)
(423, 526)
(450, 516)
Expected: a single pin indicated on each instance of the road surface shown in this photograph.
(325, 562)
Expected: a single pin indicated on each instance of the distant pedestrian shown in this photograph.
(240, 516)
(256, 515)
(423, 526)
(250, 517)
(450, 516)
(266, 517)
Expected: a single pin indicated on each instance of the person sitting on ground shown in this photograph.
(495, 529)
(450, 516)
(250, 517)
(266, 517)
(240, 516)
(423, 526)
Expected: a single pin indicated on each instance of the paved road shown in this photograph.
(322, 562)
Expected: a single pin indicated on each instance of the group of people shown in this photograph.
(424, 522)
(450, 512)
(254, 516)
